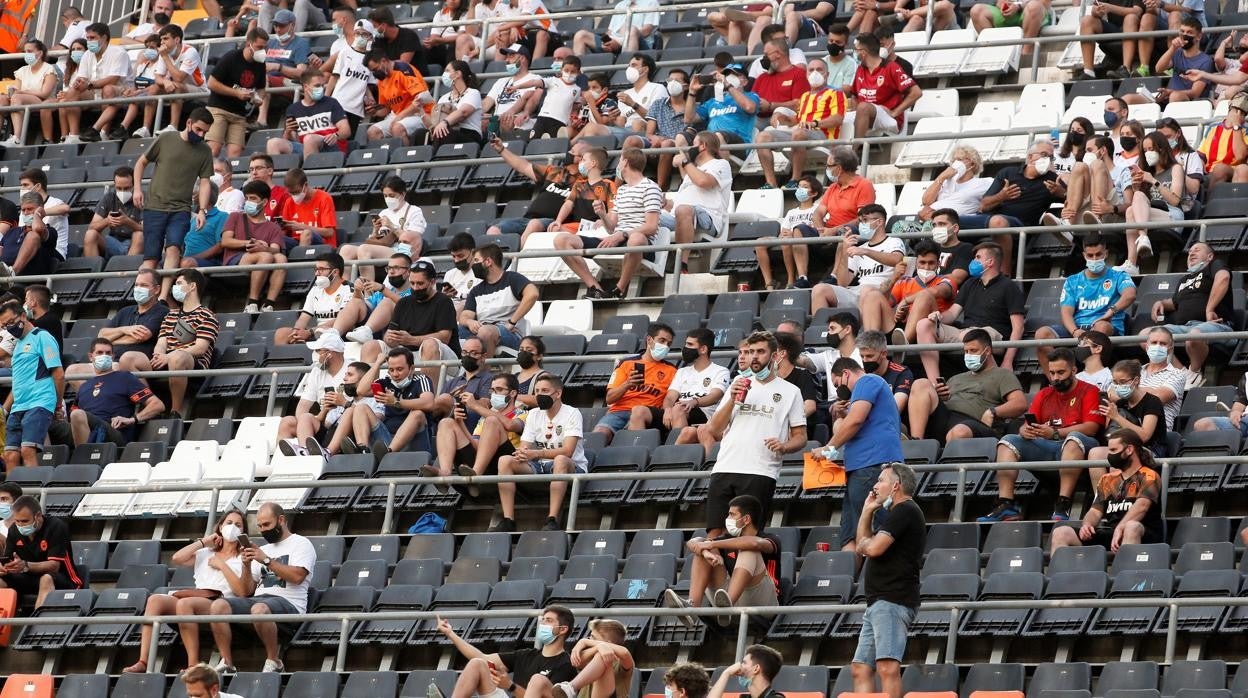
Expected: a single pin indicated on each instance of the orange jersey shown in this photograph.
(317, 210)
(401, 87)
(910, 285)
(1217, 146)
(817, 106)
(659, 375)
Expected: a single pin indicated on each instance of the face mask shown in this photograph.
(30, 58)
(1128, 142)
(93, 46)
(1151, 157)
(1188, 41)
(692, 153)
(359, 43)
(1064, 385)
(816, 79)
(631, 74)
(843, 392)
(6, 510)
(103, 363)
(272, 535)
(25, 530)
(802, 194)
(975, 268)
(688, 354)
(732, 527)
(593, 94)
(401, 384)
(142, 295)
(300, 197)
(402, 248)
(1123, 391)
(583, 169)
(556, 65)
(732, 81)
(230, 533)
(743, 682)
(396, 281)
(348, 389)
(463, 265)
(765, 63)
(940, 234)
(161, 18)
(1157, 354)
(668, 692)
(380, 75)
(871, 366)
(394, 203)
(1096, 266)
(338, 32)
(511, 68)
(317, 93)
(526, 359)
(1174, 143)
(1117, 460)
(959, 167)
(124, 197)
(835, 50)
(763, 373)
(1110, 118)
(1090, 157)
(883, 53)
(321, 282)
(478, 270)
(568, 78)
(659, 351)
(76, 55)
(251, 208)
(470, 363)
(285, 37)
(150, 54)
(1042, 165)
(1076, 138)
(217, 180)
(1193, 268)
(827, 171)
(674, 88)
(545, 634)
(973, 362)
(194, 138)
(866, 228)
(1082, 354)
(925, 275)
(257, 55)
(887, 503)
(26, 220)
(545, 402)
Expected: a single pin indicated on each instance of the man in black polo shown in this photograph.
(424, 322)
(37, 557)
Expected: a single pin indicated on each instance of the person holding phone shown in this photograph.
(499, 426)
(116, 226)
(297, 433)
(406, 400)
(639, 384)
(249, 238)
(37, 555)
(219, 573)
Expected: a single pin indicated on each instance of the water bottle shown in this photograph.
(433, 691)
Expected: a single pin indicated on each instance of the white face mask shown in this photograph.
(1151, 157)
(959, 167)
(321, 282)
(217, 179)
(674, 88)
(394, 203)
(124, 196)
(940, 234)
(1042, 165)
(230, 533)
(300, 196)
(883, 53)
(925, 275)
(730, 525)
(569, 78)
(1089, 158)
(816, 79)
(631, 74)
(732, 81)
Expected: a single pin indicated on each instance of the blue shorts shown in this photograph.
(208, 262)
(858, 484)
(516, 226)
(1045, 449)
(703, 223)
(1062, 333)
(163, 229)
(506, 337)
(614, 421)
(1204, 327)
(622, 132)
(27, 429)
(885, 627)
(114, 247)
(979, 221)
(1224, 424)
(546, 466)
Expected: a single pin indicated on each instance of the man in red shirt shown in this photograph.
(1062, 424)
(260, 168)
(308, 216)
(882, 91)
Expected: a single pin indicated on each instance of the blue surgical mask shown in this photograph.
(583, 169)
(1193, 268)
(763, 373)
(1157, 353)
(743, 682)
(512, 68)
(497, 401)
(93, 46)
(103, 363)
(142, 295)
(76, 55)
(251, 208)
(30, 58)
(1096, 266)
(150, 54)
(179, 293)
(1123, 391)
(338, 32)
(545, 634)
(317, 93)
(1174, 143)
(659, 351)
(802, 194)
(556, 66)
(827, 171)
(446, 80)
(25, 530)
(1111, 118)
(973, 362)
(975, 268)
(6, 509)
(402, 248)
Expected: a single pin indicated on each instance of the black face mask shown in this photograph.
(525, 359)
(835, 50)
(765, 62)
(1128, 142)
(545, 402)
(470, 363)
(1076, 139)
(463, 265)
(1188, 41)
(380, 75)
(161, 18)
(16, 329)
(1118, 460)
(1064, 385)
(871, 366)
(688, 354)
(348, 389)
(478, 270)
(692, 153)
(843, 393)
(396, 281)
(1082, 354)
(272, 535)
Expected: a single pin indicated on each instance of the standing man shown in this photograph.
(38, 387)
(235, 86)
(894, 553)
(868, 436)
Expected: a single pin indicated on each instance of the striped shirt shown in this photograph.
(1217, 146)
(669, 121)
(634, 201)
(817, 106)
(181, 328)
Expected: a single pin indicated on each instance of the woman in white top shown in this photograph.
(396, 228)
(77, 49)
(36, 84)
(457, 116)
(443, 34)
(959, 187)
(219, 572)
(1192, 161)
(807, 192)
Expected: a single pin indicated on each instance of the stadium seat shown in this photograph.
(28, 686)
(929, 678)
(337, 599)
(121, 601)
(1133, 620)
(84, 686)
(1065, 676)
(993, 678)
(1128, 676)
(288, 468)
(313, 684)
(73, 603)
(371, 684)
(104, 506)
(1005, 622)
(952, 535)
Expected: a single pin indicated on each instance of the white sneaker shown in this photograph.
(1131, 269)
(223, 668)
(1090, 218)
(267, 308)
(1195, 379)
(6, 270)
(142, 132)
(1143, 247)
(12, 142)
(563, 689)
(252, 309)
(170, 128)
(1052, 221)
(71, 139)
(271, 667)
(362, 334)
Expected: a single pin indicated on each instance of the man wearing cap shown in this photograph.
(1225, 147)
(351, 76)
(285, 57)
(306, 15)
(731, 110)
(513, 105)
(321, 386)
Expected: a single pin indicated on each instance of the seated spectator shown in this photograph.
(807, 193)
(1225, 147)
(695, 391)
(333, 414)
(955, 255)
(75, 24)
(842, 338)
(958, 187)
(860, 264)
(634, 103)
(1161, 376)
(866, 16)
(202, 246)
(847, 193)
(9, 492)
(229, 198)
(606, 666)
(634, 27)
(136, 327)
(396, 42)
(458, 280)
(551, 443)
(817, 114)
(744, 561)
(780, 83)
(285, 61)
(1115, 17)
(1069, 155)
(530, 359)
(1017, 197)
(1127, 507)
(742, 26)
(598, 108)
(404, 102)
(686, 680)
(439, 42)
(202, 681)
(882, 92)
(731, 111)
(592, 187)
(37, 550)
(500, 422)
(249, 238)
(283, 568)
(375, 301)
(665, 120)
(394, 418)
(1128, 408)
(323, 305)
(219, 573)
(308, 216)
(634, 222)
(754, 673)
(700, 206)
(457, 116)
(423, 321)
(1183, 54)
(873, 348)
(970, 404)
(307, 14)
(513, 100)
(111, 406)
(1130, 140)
(1201, 304)
(530, 669)
(1062, 424)
(55, 213)
(552, 185)
(397, 229)
(260, 168)
(1234, 419)
(1158, 193)
(1098, 187)
(496, 306)
(1031, 15)
(313, 123)
(1094, 299)
(1093, 352)
(186, 338)
(37, 83)
(77, 49)
(470, 383)
(896, 305)
(640, 384)
(102, 73)
(38, 388)
(175, 69)
(561, 92)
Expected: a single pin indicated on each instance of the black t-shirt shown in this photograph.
(958, 256)
(233, 70)
(771, 561)
(991, 304)
(421, 316)
(554, 183)
(1193, 293)
(1150, 404)
(51, 323)
(894, 576)
(49, 542)
(406, 40)
(807, 386)
(525, 663)
(130, 315)
(1033, 199)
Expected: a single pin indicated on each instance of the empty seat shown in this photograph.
(1065, 676)
(1126, 676)
(993, 677)
(312, 684)
(1205, 674)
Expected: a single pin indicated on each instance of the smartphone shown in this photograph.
(243, 541)
(114, 213)
(278, 220)
(392, 326)
(377, 388)
(329, 390)
(1031, 419)
(639, 368)
(1104, 398)
(940, 381)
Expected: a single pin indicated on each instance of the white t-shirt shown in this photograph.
(461, 281)
(354, 77)
(566, 424)
(409, 217)
(32, 80)
(560, 96)
(114, 62)
(1101, 379)
(295, 551)
(504, 98)
(471, 96)
(692, 383)
(771, 410)
(325, 305)
(442, 24)
(797, 216)
(963, 197)
(716, 200)
(231, 201)
(645, 13)
(314, 383)
(649, 93)
(821, 363)
(796, 57)
(60, 224)
(76, 30)
(189, 63)
(1169, 377)
(869, 272)
(208, 578)
(142, 31)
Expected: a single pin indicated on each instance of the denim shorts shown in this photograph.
(115, 247)
(703, 223)
(1224, 424)
(1045, 449)
(546, 466)
(885, 627)
(506, 337)
(516, 226)
(614, 421)
(27, 428)
(163, 229)
(858, 485)
(1203, 327)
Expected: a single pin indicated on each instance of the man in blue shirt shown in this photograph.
(866, 437)
(113, 404)
(730, 111)
(1094, 299)
(38, 384)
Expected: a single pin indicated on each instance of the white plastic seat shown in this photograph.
(288, 468)
(934, 103)
(168, 474)
(1067, 23)
(261, 431)
(610, 264)
(944, 62)
(987, 120)
(1090, 107)
(1199, 109)
(1047, 97)
(1072, 55)
(926, 153)
(103, 506)
(905, 40)
(994, 60)
(1147, 114)
(567, 317)
(238, 463)
(757, 205)
(886, 196)
(538, 269)
(1014, 148)
(910, 200)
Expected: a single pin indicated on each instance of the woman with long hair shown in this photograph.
(457, 116)
(1156, 194)
(36, 84)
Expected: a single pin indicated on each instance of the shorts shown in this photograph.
(227, 127)
(807, 230)
(1203, 327)
(847, 296)
(724, 486)
(946, 334)
(277, 605)
(1016, 19)
(885, 628)
(114, 247)
(622, 132)
(761, 594)
(1045, 449)
(943, 419)
(164, 229)
(410, 124)
(546, 466)
(980, 221)
(590, 242)
(1104, 537)
(27, 429)
(506, 337)
(858, 485)
(516, 226)
(27, 583)
(703, 222)
(613, 421)
(289, 243)
(468, 455)
(207, 261)
(884, 122)
(545, 126)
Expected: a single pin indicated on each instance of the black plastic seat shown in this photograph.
(811, 590)
(543, 543)
(431, 546)
(951, 561)
(524, 594)
(1133, 620)
(591, 566)
(329, 548)
(139, 686)
(942, 587)
(1064, 676)
(84, 686)
(395, 597)
(952, 535)
(993, 677)
(338, 598)
(73, 603)
(363, 573)
(930, 678)
(470, 596)
(542, 569)
(392, 465)
(1126, 676)
(69, 475)
(119, 601)
(385, 548)
(313, 684)
(371, 684)
(1003, 622)
(1012, 534)
(411, 571)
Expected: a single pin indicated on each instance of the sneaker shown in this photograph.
(1129, 268)
(1089, 218)
(430, 470)
(223, 668)
(362, 334)
(897, 338)
(790, 185)
(1143, 247)
(766, 187)
(273, 667)
(348, 446)
(90, 135)
(379, 449)
(1144, 71)
(267, 308)
(1122, 72)
(672, 600)
(552, 524)
(801, 282)
(1061, 510)
(313, 447)
(169, 128)
(71, 139)
(142, 132)
(596, 293)
(615, 293)
(118, 133)
(287, 448)
(1195, 379)
(720, 599)
(504, 525)
(1084, 75)
(6, 270)
(1004, 511)
(12, 142)
(465, 471)
(563, 689)
(252, 309)
(1052, 221)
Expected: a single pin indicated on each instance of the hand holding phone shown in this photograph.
(244, 541)
(1031, 419)
(377, 388)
